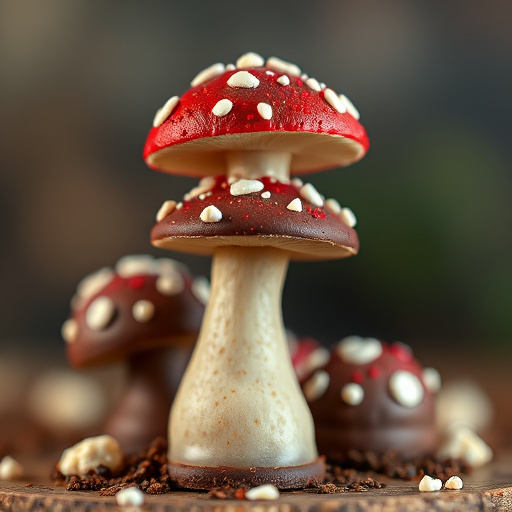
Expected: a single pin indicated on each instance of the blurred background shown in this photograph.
(80, 82)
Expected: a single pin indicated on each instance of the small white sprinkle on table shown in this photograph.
(454, 483)
(262, 492)
(10, 469)
(130, 497)
(429, 484)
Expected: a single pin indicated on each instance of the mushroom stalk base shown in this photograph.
(206, 478)
(239, 404)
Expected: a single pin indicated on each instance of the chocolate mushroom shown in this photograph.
(144, 312)
(239, 417)
(371, 396)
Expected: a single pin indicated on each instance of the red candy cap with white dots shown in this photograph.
(255, 105)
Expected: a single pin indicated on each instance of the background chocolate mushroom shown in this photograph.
(255, 122)
(146, 312)
(373, 397)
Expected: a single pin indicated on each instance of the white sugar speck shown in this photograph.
(163, 113)
(406, 388)
(211, 214)
(265, 110)
(454, 483)
(262, 492)
(222, 107)
(208, 73)
(351, 109)
(352, 393)
(242, 187)
(130, 497)
(348, 217)
(316, 386)
(265, 195)
(167, 208)
(283, 80)
(250, 60)
(312, 83)
(429, 484)
(243, 79)
(295, 205)
(311, 194)
(333, 99)
(283, 66)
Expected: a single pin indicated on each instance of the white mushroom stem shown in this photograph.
(239, 403)
(255, 164)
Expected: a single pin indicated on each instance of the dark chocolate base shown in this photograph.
(208, 477)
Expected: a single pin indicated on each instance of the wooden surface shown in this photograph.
(487, 489)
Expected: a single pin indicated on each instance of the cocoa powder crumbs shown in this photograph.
(392, 465)
(226, 493)
(147, 470)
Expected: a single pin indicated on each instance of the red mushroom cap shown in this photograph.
(255, 106)
(143, 304)
(371, 396)
(264, 212)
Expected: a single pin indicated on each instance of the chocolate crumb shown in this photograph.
(226, 493)
(147, 470)
(28, 485)
(393, 465)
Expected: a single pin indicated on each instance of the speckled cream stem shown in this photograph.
(255, 164)
(239, 403)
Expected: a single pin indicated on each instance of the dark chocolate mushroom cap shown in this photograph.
(257, 212)
(371, 396)
(255, 105)
(144, 303)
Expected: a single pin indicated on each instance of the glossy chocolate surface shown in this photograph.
(379, 423)
(315, 233)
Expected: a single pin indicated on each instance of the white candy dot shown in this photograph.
(201, 289)
(351, 109)
(352, 393)
(429, 484)
(357, 350)
(100, 313)
(262, 492)
(333, 99)
(211, 214)
(406, 388)
(243, 79)
(90, 285)
(143, 311)
(130, 497)
(242, 187)
(170, 284)
(454, 483)
(208, 73)
(283, 80)
(222, 107)
(316, 386)
(10, 469)
(283, 66)
(348, 217)
(136, 264)
(312, 83)
(69, 330)
(167, 208)
(265, 195)
(333, 205)
(250, 60)
(311, 194)
(295, 205)
(432, 379)
(265, 111)
(164, 112)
